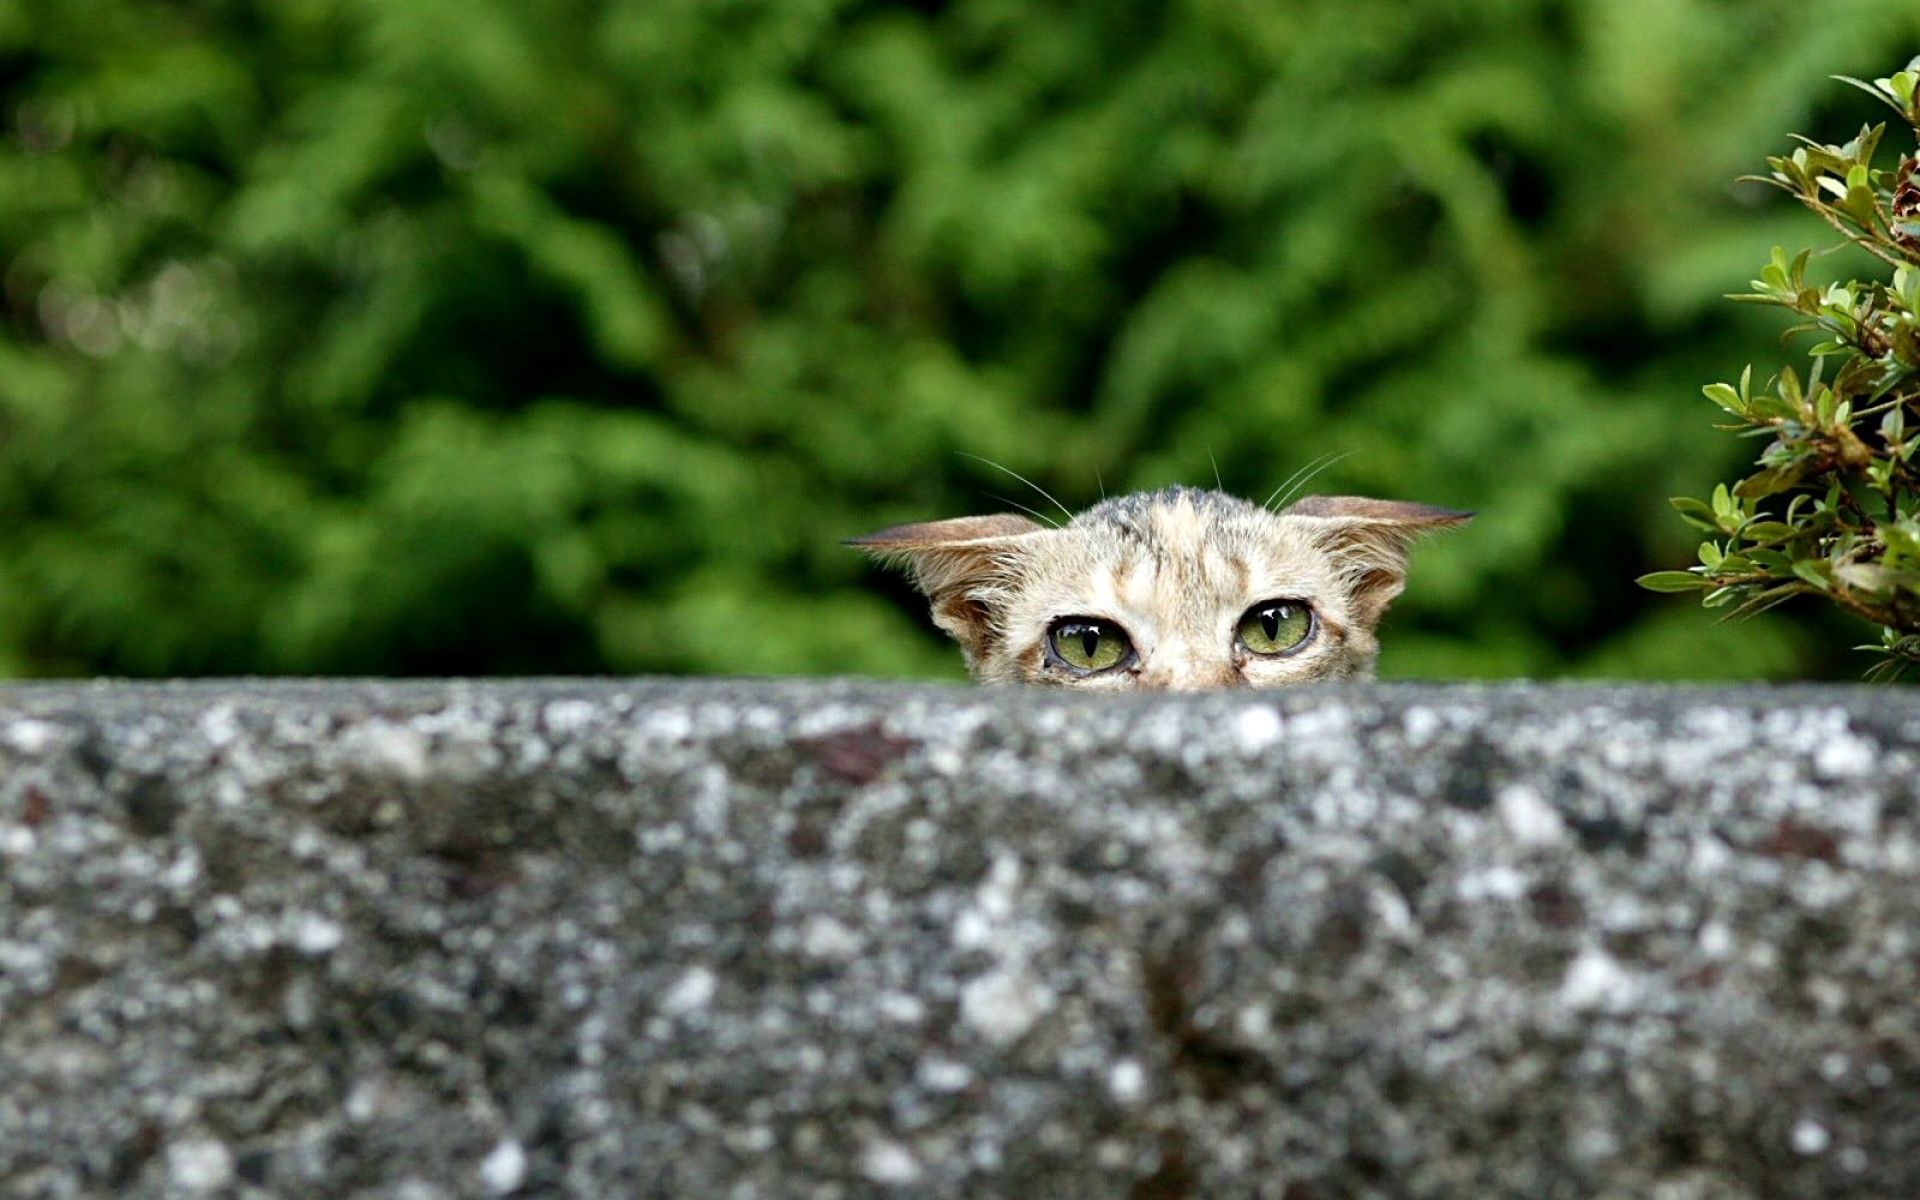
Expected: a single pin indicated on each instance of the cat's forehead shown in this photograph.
(1176, 556)
(1176, 522)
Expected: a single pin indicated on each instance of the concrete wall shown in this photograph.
(746, 939)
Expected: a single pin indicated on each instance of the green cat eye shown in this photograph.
(1088, 643)
(1276, 626)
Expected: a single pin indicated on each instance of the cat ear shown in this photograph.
(959, 565)
(1370, 539)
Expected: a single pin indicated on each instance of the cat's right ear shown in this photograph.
(960, 565)
(1369, 539)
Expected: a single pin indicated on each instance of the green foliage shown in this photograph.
(557, 335)
(1832, 506)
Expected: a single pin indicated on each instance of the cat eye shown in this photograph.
(1276, 627)
(1088, 644)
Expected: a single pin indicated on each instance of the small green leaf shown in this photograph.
(1859, 204)
(1724, 395)
(1786, 386)
(1819, 574)
(1696, 513)
(1901, 86)
(1770, 482)
(1797, 269)
(1672, 581)
(1767, 531)
(1893, 426)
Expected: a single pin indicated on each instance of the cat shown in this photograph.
(1179, 589)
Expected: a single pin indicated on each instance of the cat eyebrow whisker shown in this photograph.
(1038, 516)
(1023, 479)
(1216, 470)
(1301, 478)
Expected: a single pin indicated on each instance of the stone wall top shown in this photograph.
(833, 939)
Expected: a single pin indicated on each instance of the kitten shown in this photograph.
(1177, 589)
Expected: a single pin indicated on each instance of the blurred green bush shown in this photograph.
(572, 335)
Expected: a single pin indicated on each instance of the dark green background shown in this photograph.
(423, 336)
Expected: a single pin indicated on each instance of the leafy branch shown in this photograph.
(1831, 506)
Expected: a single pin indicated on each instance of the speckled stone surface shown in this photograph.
(749, 939)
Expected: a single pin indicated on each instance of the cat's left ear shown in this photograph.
(1371, 539)
(961, 566)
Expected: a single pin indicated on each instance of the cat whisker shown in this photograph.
(1038, 516)
(1023, 479)
(1216, 470)
(1301, 478)
(1289, 482)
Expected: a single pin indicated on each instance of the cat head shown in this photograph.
(1176, 589)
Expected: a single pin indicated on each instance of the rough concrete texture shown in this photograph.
(747, 939)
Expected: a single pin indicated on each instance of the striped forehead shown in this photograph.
(1168, 556)
(1170, 582)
